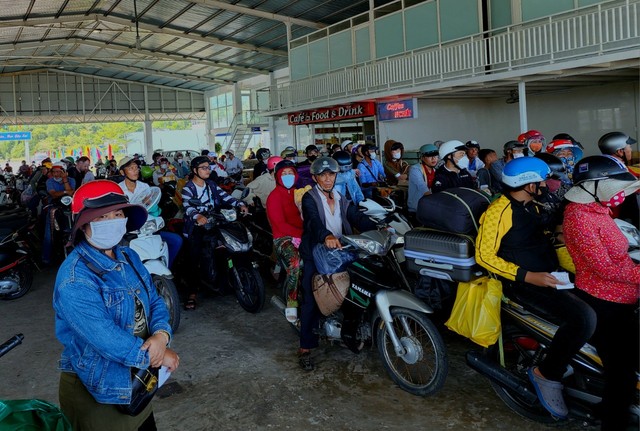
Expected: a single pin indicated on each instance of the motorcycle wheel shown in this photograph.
(167, 290)
(424, 368)
(23, 274)
(517, 360)
(249, 288)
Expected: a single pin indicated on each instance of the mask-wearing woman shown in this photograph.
(109, 317)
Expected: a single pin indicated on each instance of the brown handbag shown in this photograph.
(330, 291)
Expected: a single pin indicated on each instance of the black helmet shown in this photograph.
(310, 148)
(263, 153)
(510, 145)
(344, 160)
(369, 147)
(324, 164)
(283, 164)
(554, 163)
(197, 161)
(614, 141)
(600, 167)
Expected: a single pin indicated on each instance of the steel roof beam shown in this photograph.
(148, 27)
(259, 13)
(138, 53)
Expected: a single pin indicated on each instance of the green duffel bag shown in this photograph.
(31, 415)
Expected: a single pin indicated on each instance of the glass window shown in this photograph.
(221, 110)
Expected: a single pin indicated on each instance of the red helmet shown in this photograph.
(272, 162)
(99, 197)
(534, 141)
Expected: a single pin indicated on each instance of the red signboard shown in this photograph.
(335, 113)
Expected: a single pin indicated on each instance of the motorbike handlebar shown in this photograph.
(10, 344)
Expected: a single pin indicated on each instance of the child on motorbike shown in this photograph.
(606, 277)
(513, 243)
(286, 225)
(327, 216)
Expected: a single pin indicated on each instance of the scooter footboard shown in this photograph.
(386, 299)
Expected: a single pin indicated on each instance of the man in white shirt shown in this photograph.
(233, 166)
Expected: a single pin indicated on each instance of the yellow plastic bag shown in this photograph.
(565, 259)
(476, 311)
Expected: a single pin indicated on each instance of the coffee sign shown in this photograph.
(397, 110)
(335, 113)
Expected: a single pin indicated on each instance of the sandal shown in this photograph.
(549, 393)
(305, 361)
(190, 304)
(291, 313)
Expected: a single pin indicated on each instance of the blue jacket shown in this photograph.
(371, 174)
(94, 317)
(347, 185)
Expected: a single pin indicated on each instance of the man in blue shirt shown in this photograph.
(371, 170)
(59, 185)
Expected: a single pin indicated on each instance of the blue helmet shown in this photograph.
(525, 170)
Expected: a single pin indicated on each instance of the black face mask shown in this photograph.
(312, 158)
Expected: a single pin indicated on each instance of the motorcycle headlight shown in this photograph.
(369, 246)
(229, 215)
(233, 244)
(149, 228)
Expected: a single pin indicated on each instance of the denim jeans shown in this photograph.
(174, 243)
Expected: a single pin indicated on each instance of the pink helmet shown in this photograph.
(272, 162)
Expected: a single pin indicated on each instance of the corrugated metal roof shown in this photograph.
(207, 42)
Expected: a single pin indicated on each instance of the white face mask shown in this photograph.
(57, 180)
(108, 233)
(396, 155)
(463, 163)
(179, 159)
(518, 155)
(164, 166)
(373, 156)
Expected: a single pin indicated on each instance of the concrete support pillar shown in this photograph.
(148, 139)
(372, 31)
(522, 104)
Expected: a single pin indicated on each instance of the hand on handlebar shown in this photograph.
(332, 242)
(244, 209)
(201, 220)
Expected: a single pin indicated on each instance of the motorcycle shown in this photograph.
(154, 253)
(227, 250)
(16, 264)
(383, 210)
(409, 345)
(524, 341)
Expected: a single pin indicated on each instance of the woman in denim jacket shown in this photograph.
(109, 318)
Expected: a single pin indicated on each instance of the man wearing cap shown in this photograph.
(216, 167)
(58, 185)
(132, 188)
(233, 166)
(453, 173)
(475, 164)
(422, 176)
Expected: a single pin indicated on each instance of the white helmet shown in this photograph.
(450, 147)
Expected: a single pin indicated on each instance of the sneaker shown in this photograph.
(305, 361)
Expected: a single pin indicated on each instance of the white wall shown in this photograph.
(586, 114)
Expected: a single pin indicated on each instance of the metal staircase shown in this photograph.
(238, 136)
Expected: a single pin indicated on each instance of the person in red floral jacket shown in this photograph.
(606, 276)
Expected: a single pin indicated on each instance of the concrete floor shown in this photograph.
(239, 372)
